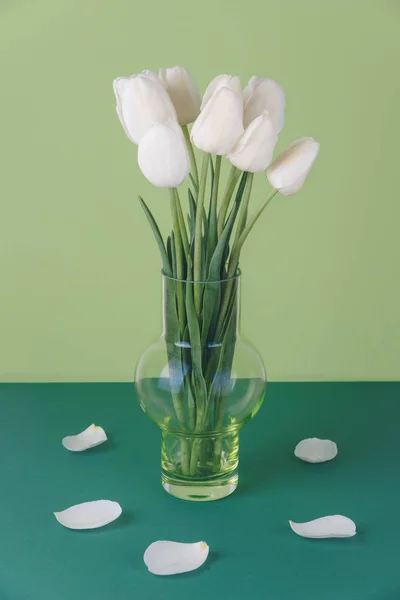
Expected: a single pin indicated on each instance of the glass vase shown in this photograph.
(200, 382)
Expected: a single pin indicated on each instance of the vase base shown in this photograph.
(200, 491)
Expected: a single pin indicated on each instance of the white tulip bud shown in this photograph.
(162, 156)
(220, 123)
(254, 149)
(262, 94)
(227, 81)
(142, 101)
(183, 92)
(289, 171)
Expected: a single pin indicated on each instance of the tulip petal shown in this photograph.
(142, 101)
(220, 123)
(89, 438)
(151, 75)
(334, 526)
(119, 87)
(89, 515)
(248, 90)
(314, 450)
(163, 156)
(260, 94)
(183, 92)
(254, 150)
(289, 171)
(171, 558)
(229, 81)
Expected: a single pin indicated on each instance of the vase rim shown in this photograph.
(237, 276)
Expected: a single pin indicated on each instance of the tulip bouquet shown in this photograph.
(241, 127)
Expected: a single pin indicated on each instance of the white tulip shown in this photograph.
(163, 156)
(289, 171)
(254, 149)
(220, 123)
(260, 94)
(142, 101)
(151, 75)
(183, 92)
(227, 81)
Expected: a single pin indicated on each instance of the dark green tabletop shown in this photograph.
(253, 552)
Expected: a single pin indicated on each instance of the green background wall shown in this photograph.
(79, 270)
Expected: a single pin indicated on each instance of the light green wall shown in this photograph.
(79, 270)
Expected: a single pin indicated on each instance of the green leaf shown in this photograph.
(191, 220)
(212, 172)
(212, 293)
(205, 224)
(199, 383)
(200, 235)
(231, 306)
(241, 187)
(191, 229)
(180, 257)
(212, 237)
(192, 204)
(192, 321)
(194, 184)
(186, 360)
(221, 369)
(242, 219)
(173, 351)
(182, 226)
(191, 406)
(192, 208)
(173, 253)
(157, 234)
(169, 249)
(235, 254)
(204, 247)
(224, 261)
(233, 178)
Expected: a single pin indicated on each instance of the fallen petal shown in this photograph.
(314, 450)
(89, 515)
(334, 526)
(170, 558)
(91, 437)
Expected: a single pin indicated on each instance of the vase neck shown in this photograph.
(212, 308)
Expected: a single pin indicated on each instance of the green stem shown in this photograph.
(182, 226)
(185, 450)
(244, 206)
(198, 238)
(192, 158)
(233, 178)
(233, 261)
(224, 307)
(220, 406)
(179, 259)
(217, 172)
(212, 239)
(194, 456)
(191, 409)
